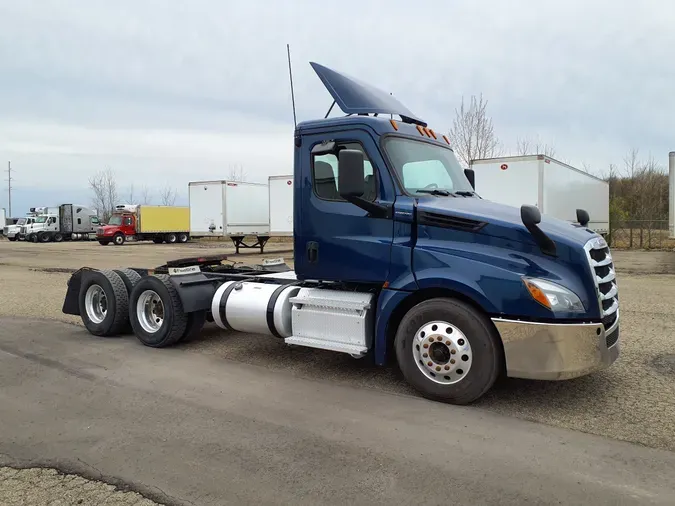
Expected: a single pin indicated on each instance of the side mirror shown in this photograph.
(351, 173)
(531, 217)
(471, 176)
(582, 217)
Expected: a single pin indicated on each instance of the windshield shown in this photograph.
(40, 219)
(115, 220)
(22, 221)
(425, 166)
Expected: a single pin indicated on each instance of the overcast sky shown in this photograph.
(171, 92)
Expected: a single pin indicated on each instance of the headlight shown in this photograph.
(553, 296)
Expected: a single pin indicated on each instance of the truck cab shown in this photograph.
(383, 202)
(13, 232)
(120, 226)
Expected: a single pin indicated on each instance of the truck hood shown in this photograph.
(504, 221)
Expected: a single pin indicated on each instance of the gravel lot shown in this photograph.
(48, 487)
(633, 401)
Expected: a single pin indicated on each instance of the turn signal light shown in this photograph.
(537, 294)
(393, 123)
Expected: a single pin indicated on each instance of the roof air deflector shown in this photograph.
(355, 97)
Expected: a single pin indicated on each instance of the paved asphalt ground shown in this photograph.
(192, 429)
(240, 419)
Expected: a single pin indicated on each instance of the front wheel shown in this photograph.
(12, 238)
(448, 351)
(118, 240)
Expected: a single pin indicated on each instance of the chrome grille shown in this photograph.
(600, 259)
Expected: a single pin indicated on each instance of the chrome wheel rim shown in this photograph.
(96, 304)
(442, 352)
(150, 311)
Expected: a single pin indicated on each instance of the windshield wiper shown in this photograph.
(435, 191)
(464, 193)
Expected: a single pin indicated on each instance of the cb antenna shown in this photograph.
(290, 75)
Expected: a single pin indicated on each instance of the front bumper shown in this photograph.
(557, 351)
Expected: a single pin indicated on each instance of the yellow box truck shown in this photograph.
(170, 224)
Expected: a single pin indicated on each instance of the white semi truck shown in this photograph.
(14, 232)
(555, 188)
(63, 223)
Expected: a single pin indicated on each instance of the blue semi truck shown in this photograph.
(396, 257)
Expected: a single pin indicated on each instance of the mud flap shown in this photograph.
(71, 303)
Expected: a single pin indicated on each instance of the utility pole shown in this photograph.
(9, 187)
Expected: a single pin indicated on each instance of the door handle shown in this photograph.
(312, 252)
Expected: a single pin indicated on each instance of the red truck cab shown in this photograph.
(119, 227)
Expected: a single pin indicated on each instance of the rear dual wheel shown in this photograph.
(157, 316)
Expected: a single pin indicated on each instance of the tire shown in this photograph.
(58, 237)
(104, 243)
(32, 238)
(113, 320)
(130, 278)
(12, 238)
(44, 237)
(183, 237)
(150, 328)
(195, 324)
(118, 239)
(170, 238)
(158, 240)
(474, 357)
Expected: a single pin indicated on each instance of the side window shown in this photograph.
(79, 221)
(127, 221)
(94, 220)
(325, 175)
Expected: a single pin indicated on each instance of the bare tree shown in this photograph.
(146, 195)
(103, 185)
(236, 173)
(526, 146)
(586, 167)
(168, 196)
(472, 135)
(130, 194)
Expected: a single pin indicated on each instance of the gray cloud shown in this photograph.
(166, 92)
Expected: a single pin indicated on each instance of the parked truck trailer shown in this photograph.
(169, 224)
(555, 188)
(233, 209)
(409, 264)
(281, 205)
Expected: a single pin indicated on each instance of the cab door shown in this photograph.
(337, 240)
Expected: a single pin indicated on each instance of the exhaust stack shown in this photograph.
(671, 195)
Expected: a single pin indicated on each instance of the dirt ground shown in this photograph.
(634, 400)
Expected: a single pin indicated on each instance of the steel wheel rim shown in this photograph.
(150, 311)
(118, 239)
(96, 303)
(442, 352)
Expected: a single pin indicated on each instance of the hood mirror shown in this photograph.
(531, 217)
(582, 217)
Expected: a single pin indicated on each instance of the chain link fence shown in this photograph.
(640, 234)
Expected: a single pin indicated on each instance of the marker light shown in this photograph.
(393, 123)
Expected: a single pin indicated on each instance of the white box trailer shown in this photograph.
(3, 219)
(556, 188)
(231, 209)
(281, 205)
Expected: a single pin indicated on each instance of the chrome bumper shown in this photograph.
(546, 351)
